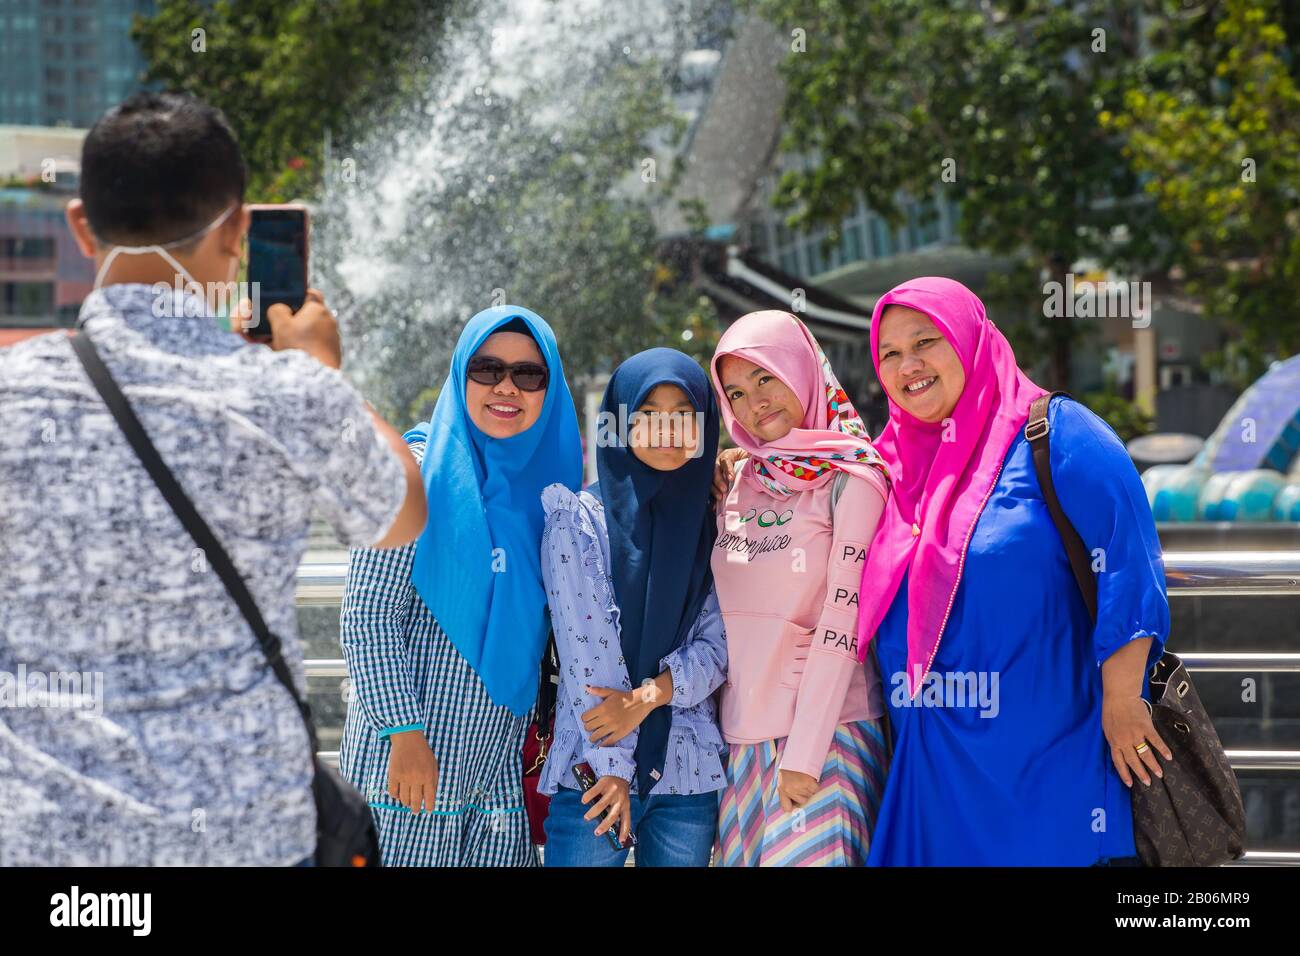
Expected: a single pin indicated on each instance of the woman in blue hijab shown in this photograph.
(444, 638)
(637, 628)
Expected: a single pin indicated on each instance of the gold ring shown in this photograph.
(1143, 748)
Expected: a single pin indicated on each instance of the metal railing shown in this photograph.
(1240, 759)
(1209, 663)
(1268, 858)
(1232, 573)
(1187, 574)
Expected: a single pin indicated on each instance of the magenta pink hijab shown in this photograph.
(832, 437)
(940, 486)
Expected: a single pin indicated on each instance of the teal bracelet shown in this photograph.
(401, 729)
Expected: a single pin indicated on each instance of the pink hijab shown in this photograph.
(940, 485)
(831, 437)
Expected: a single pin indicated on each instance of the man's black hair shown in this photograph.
(159, 167)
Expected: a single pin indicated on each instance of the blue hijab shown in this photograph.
(478, 562)
(661, 534)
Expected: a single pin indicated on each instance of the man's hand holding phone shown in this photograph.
(312, 328)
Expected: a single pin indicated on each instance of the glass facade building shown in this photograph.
(63, 62)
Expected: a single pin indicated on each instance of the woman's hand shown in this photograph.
(612, 794)
(1125, 719)
(412, 770)
(1126, 722)
(621, 711)
(725, 471)
(795, 789)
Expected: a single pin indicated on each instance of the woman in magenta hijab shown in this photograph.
(1019, 725)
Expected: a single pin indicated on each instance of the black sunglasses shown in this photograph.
(527, 376)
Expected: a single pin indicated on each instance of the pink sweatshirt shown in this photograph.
(787, 580)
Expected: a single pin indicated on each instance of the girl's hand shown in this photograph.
(612, 794)
(1126, 722)
(412, 770)
(725, 471)
(795, 789)
(619, 713)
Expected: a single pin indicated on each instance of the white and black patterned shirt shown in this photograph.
(198, 754)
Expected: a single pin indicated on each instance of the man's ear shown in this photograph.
(80, 226)
(233, 231)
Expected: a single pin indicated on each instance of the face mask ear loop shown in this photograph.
(161, 250)
(144, 250)
(108, 261)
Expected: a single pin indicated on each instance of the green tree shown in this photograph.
(287, 71)
(994, 105)
(1213, 124)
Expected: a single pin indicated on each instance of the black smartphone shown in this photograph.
(277, 261)
(586, 778)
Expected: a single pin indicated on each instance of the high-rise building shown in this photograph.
(63, 62)
(43, 275)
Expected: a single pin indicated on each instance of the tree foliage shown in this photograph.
(993, 104)
(1212, 123)
(286, 71)
(1116, 133)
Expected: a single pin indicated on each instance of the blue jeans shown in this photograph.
(671, 830)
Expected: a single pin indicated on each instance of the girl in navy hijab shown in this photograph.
(637, 628)
(444, 637)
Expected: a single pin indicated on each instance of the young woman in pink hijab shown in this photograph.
(799, 713)
(1019, 725)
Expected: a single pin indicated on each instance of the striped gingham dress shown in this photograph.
(832, 829)
(403, 670)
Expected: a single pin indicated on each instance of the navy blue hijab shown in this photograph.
(661, 534)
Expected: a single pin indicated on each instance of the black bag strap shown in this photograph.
(1037, 431)
(547, 690)
(189, 516)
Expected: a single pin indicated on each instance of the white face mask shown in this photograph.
(160, 249)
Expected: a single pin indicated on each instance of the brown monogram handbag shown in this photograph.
(1193, 816)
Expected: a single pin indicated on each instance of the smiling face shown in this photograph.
(503, 409)
(762, 403)
(664, 432)
(920, 370)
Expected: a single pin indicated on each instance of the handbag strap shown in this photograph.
(547, 691)
(1037, 431)
(189, 517)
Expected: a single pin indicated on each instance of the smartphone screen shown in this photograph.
(277, 260)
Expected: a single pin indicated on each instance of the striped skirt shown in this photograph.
(832, 829)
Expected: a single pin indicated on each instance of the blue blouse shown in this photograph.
(1020, 772)
(575, 567)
